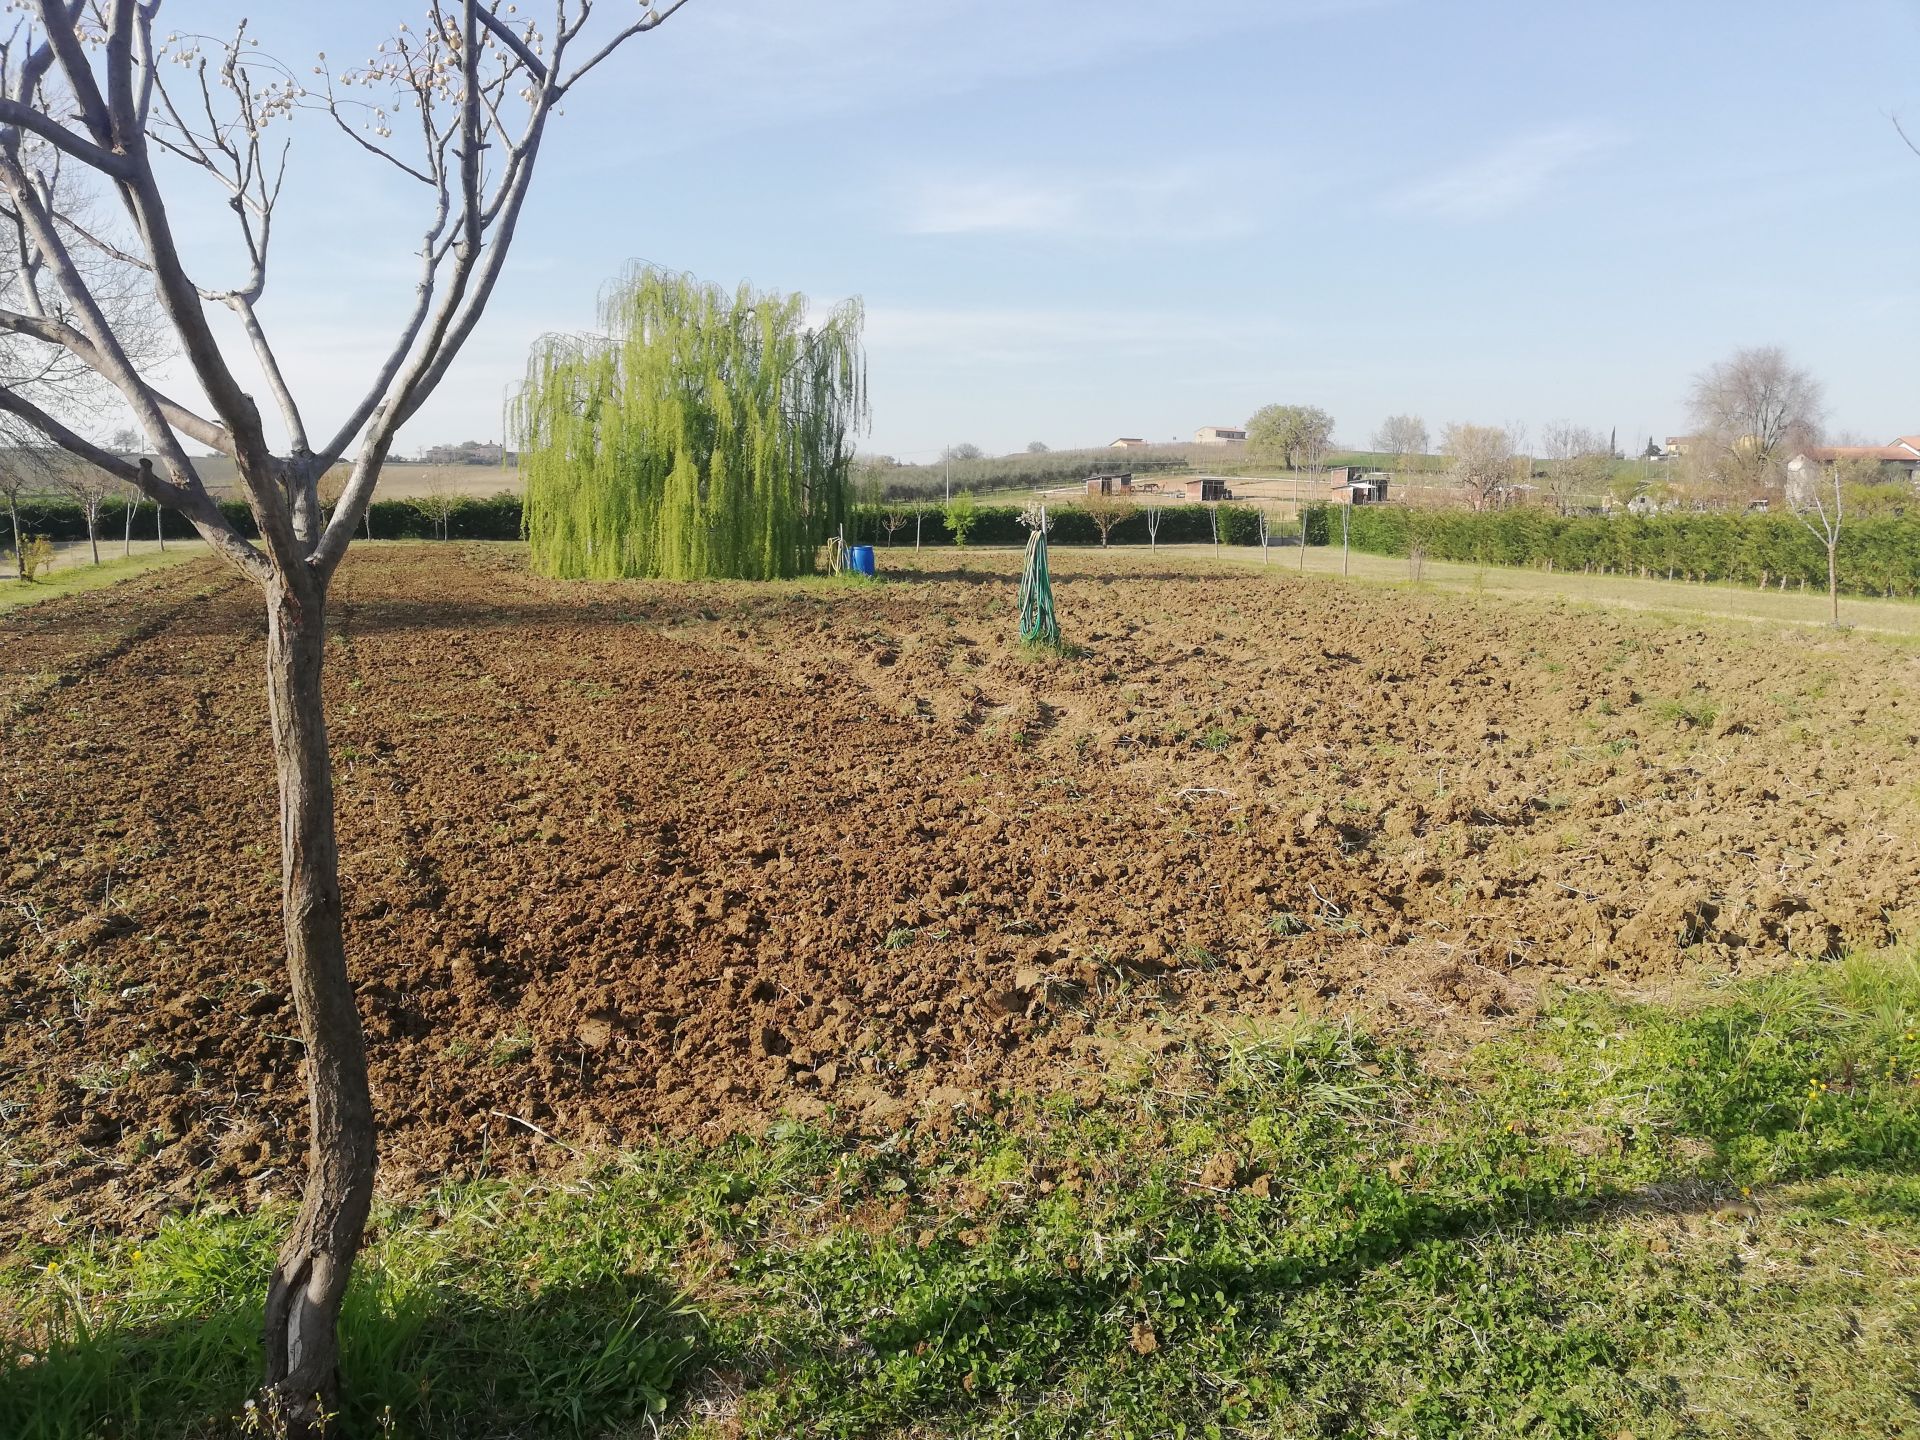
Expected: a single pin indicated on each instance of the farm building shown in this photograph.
(1219, 435)
(1208, 487)
(1353, 486)
(1128, 442)
(1115, 484)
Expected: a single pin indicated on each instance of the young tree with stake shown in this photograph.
(1107, 511)
(23, 470)
(162, 124)
(1821, 508)
(88, 487)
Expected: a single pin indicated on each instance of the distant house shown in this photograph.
(1900, 458)
(1678, 444)
(1128, 442)
(1115, 484)
(1208, 487)
(469, 452)
(1219, 435)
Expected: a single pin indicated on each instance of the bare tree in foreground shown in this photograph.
(472, 92)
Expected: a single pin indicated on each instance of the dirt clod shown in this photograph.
(646, 859)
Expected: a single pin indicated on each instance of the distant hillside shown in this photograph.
(399, 480)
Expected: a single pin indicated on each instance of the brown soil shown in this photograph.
(631, 859)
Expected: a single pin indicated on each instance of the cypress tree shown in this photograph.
(705, 434)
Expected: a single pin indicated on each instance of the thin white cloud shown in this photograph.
(969, 207)
(749, 64)
(1504, 179)
(998, 336)
(1152, 206)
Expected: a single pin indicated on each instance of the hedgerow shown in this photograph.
(1877, 557)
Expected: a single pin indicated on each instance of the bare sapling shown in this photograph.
(1153, 509)
(94, 101)
(439, 503)
(1107, 511)
(891, 521)
(88, 487)
(22, 470)
(1821, 508)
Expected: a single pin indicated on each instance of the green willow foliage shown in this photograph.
(705, 435)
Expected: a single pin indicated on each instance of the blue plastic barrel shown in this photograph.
(860, 559)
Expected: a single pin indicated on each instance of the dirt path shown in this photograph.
(630, 857)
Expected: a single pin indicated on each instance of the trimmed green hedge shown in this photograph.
(498, 518)
(1877, 557)
(493, 518)
(1000, 525)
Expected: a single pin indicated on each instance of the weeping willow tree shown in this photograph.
(705, 434)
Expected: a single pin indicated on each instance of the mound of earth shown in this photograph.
(631, 859)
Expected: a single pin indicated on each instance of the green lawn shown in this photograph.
(1698, 1218)
(74, 578)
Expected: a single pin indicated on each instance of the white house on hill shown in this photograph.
(1219, 435)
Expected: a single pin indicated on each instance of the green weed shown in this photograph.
(1694, 1219)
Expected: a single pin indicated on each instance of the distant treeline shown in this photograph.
(876, 480)
(1067, 525)
(1878, 556)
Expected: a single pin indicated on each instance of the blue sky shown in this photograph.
(1074, 220)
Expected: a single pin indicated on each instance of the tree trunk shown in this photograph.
(126, 549)
(310, 1280)
(160, 526)
(19, 551)
(1833, 579)
(93, 533)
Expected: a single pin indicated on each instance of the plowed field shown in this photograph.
(630, 858)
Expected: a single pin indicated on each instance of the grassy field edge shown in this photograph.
(1695, 1218)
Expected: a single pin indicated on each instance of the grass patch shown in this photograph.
(73, 579)
(1695, 710)
(1696, 1220)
